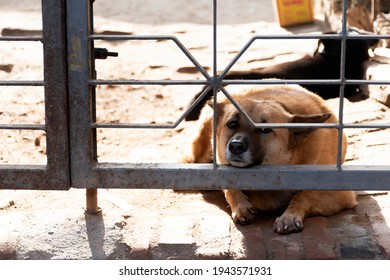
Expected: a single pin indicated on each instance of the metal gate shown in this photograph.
(70, 104)
(55, 174)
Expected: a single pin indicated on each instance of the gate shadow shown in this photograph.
(95, 234)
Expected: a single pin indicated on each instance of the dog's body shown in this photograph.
(241, 144)
(321, 65)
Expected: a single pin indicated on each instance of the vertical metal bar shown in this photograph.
(342, 85)
(82, 99)
(56, 101)
(81, 115)
(92, 194)
(216, 84)
(215, 35)
(92, 202)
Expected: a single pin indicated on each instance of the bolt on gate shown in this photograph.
(70, 105)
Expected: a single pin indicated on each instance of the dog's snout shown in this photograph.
(238, 145)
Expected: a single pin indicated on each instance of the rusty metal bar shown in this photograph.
(92, 207)
(56, 97)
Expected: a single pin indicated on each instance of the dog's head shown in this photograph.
(356, 49)
(241, 144)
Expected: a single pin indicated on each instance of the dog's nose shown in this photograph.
(238, 146)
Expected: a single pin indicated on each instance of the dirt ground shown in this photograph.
(36, 224)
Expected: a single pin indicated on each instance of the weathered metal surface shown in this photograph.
(207, 177)
(56, 98)
(83, 153)
(69, 81)
(54, 175)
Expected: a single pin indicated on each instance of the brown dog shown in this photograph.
(240, 144)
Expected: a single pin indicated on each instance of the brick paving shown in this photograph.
(190, 226)
(361, 233)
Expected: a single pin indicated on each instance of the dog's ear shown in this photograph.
(317, 118)
(220, 106)
(331, 46)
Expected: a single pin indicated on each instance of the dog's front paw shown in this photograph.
(244, 214)
(288, 223)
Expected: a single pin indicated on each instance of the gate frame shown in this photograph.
(87, 173)
(55, 174)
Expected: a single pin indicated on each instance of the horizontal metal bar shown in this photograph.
(303, 81)
(133, 125)
(368, 82)
(23, 126)
(131, 37)
(22, 167)
(21, 38)
(321, 125)
(147, 82)
(31, 177)
(22, 83)
(237, 82)
(257, 125)
(257, 37)
(367, 126)
(337, 36)
(263, 177)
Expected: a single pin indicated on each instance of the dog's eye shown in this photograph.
(232, 124)
(265, 130)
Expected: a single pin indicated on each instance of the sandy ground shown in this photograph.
(21, 212)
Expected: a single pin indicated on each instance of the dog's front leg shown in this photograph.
(309, 203)
(243, 212)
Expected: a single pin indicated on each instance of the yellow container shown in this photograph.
(293, 12)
